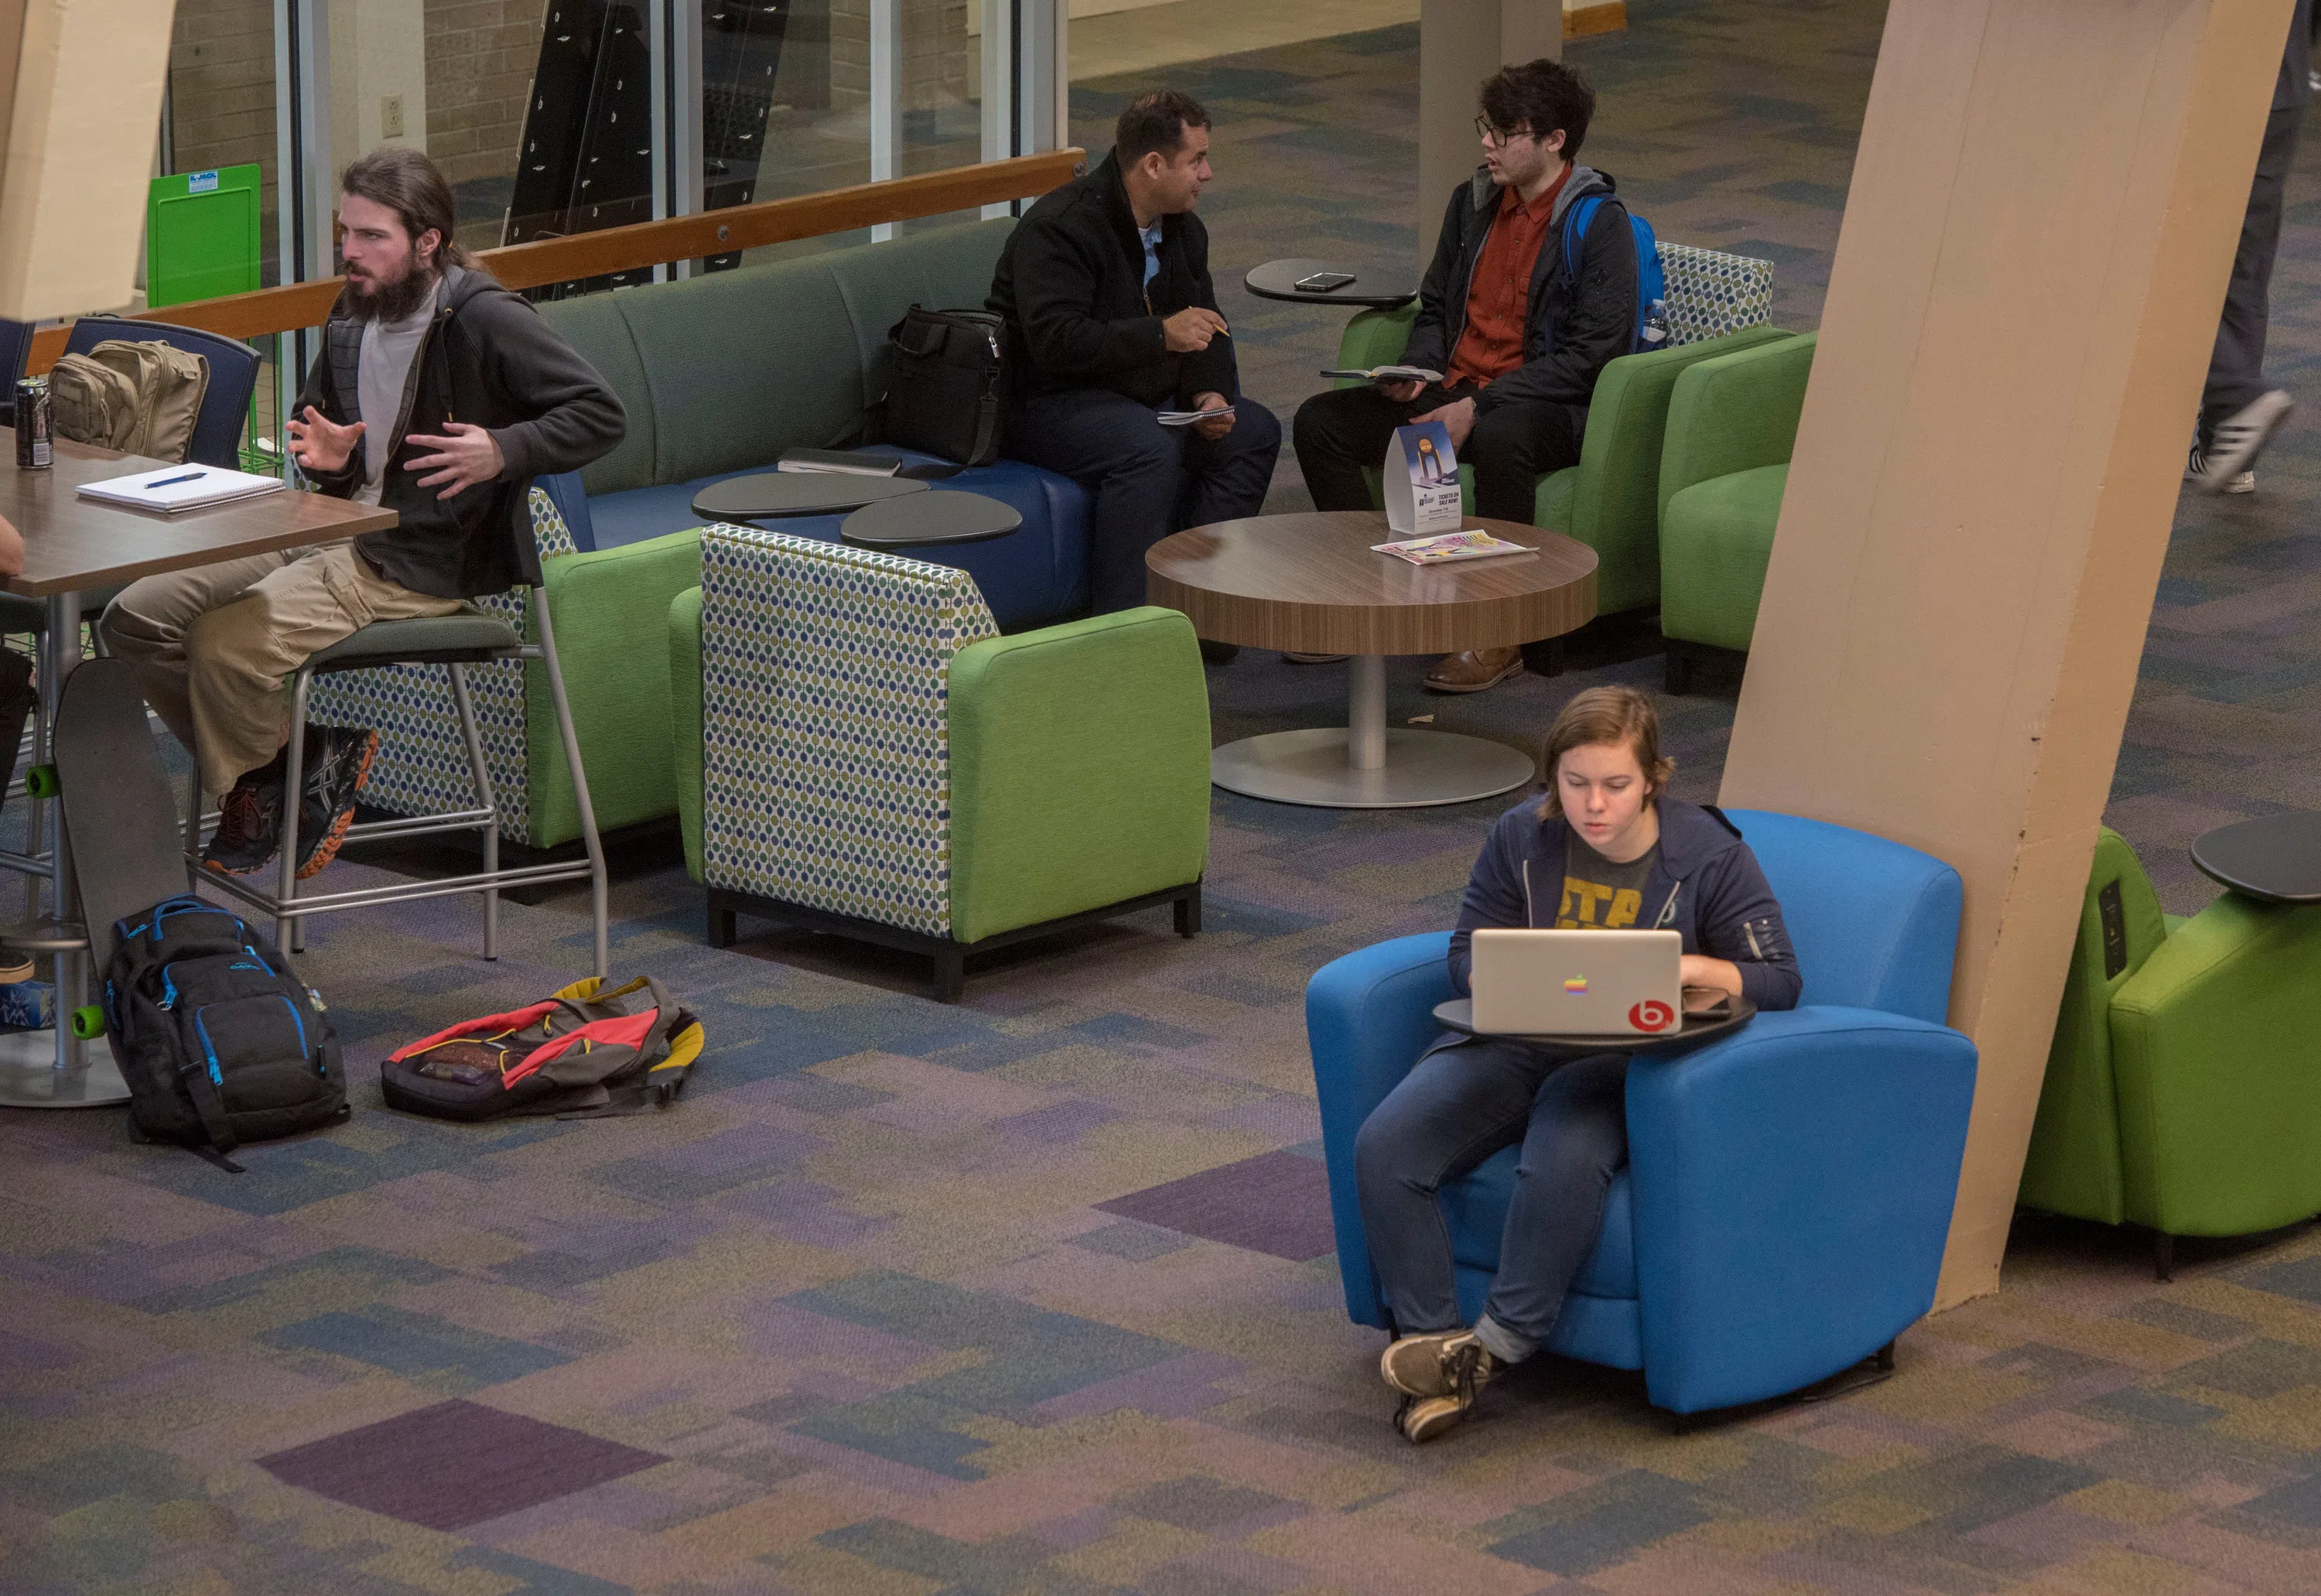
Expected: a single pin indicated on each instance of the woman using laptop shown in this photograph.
(1604, 850)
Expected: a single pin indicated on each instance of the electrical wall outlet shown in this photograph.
(390, 116)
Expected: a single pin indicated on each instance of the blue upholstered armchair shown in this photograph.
(1788, 1189)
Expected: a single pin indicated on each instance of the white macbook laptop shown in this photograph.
(1578, 983)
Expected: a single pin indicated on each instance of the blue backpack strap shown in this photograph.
(1577, 220)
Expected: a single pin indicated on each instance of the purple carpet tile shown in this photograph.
(454, 1464)
(1277, 1203)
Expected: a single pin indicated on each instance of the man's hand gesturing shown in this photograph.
(467, 456)
(319, 444)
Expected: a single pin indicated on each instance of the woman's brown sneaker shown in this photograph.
(1432, 1366)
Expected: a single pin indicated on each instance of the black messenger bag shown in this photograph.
(944, 396)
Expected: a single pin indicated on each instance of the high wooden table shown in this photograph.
(1313, 584)
(72, 544)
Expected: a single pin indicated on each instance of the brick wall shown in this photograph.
(480, 55)
(935, 52)
(221, 94)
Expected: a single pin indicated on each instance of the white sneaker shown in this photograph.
(2240, 437)
(2199, 470)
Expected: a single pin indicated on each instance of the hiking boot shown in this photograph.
(338, 763)
(2198, 470)
(1433, 1365)
(1472, 672)
(250, 826)
(2240, 438)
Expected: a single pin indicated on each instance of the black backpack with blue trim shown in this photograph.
(219, 1042)
(1651, 321)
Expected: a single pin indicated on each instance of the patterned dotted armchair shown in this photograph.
(1715, 305)
(859, 752)
(611, 615)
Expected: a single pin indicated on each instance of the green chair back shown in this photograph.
(2074, 1166)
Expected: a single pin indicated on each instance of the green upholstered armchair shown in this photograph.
(2183, 1091)
(610, 608)
(1732, 422)
(1715, 303)
(859, 752)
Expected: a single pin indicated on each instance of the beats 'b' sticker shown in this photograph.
(1652, 1015)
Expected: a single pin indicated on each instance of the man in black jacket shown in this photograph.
(1111, 319)
(1519, 335)
(439, 395)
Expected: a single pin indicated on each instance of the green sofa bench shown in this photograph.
(1715, 304)
(859, 752)
(1732, 422)
(2183, 1091)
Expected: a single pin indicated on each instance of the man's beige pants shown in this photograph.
(212, 647)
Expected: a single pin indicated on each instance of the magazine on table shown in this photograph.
(1449, 546)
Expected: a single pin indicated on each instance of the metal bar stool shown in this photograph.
(455, 641)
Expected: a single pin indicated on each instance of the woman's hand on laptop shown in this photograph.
(1699, 969)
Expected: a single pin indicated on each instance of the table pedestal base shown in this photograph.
(1365, 764)
(1421, 769)
(29, 1078)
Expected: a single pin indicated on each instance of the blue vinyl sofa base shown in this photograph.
(722, 373)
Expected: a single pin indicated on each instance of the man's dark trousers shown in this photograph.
(1148, 480)
(2236, 367)
(1344, 430)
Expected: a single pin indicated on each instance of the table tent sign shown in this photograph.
(1422, 480)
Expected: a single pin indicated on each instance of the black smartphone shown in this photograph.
(1322, 282)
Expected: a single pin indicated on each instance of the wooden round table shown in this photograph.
(1313, 584)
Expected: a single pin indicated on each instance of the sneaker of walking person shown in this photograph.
(249, 824)
(338, 763)
(2238, 439)
(1472, 672)
(2199, 471)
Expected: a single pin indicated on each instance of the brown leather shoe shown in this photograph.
(1472, 672)
(1290, 657)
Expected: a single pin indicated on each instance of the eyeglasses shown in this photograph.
(1495, 136)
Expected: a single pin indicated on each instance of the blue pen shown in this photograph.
(166, 481)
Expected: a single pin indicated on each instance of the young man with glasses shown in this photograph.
(1519, 339)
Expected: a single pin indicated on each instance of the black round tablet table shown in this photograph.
(2276, 858)
(772, 493)
(1699, 1030)
(1278, 280)
(947, 517)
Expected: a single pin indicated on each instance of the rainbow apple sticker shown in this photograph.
(1576, 986)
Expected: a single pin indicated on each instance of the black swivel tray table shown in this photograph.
(770, 494)
(2275, 859)
(1697, 1031)
(1278, 280)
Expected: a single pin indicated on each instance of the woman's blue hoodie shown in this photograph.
(1706, 884)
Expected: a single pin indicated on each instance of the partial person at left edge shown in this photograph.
(1111, 318)
(439, 395)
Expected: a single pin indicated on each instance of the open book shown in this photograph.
(1392, 374)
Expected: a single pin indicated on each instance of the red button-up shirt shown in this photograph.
(1498, 297)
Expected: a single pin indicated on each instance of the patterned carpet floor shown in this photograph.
(1034, 1294)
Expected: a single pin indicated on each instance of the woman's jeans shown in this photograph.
(1465, 1100)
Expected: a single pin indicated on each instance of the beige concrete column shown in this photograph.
(2042, 221)
(1460, 43)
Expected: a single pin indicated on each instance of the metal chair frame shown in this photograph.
(289, 909)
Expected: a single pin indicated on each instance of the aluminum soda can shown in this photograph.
(35, 450)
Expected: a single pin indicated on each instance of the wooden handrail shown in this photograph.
(642, 243)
